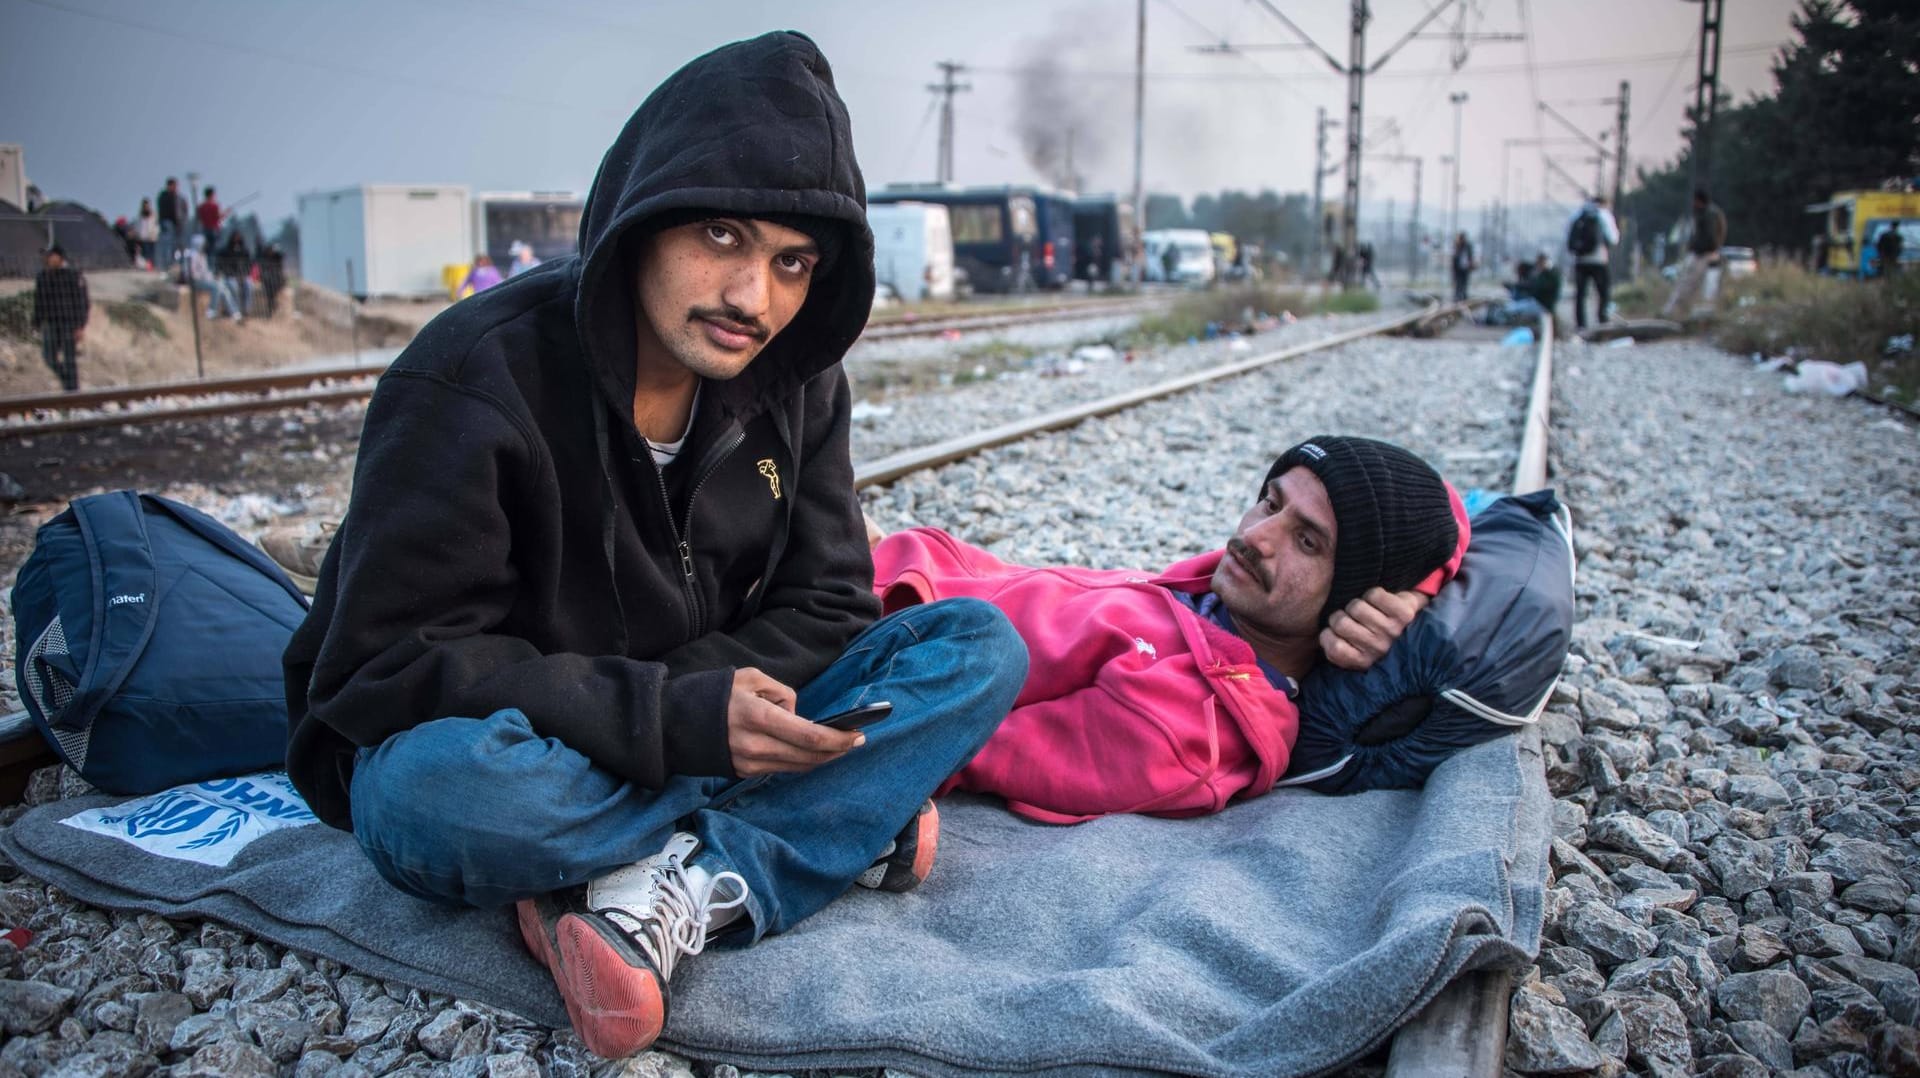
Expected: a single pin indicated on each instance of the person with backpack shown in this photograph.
(1591, 238)
(603, 573)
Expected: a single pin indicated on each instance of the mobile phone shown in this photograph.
(859, 717)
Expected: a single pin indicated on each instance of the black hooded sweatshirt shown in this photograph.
(510, 542)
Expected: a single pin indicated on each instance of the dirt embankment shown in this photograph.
(141, 330)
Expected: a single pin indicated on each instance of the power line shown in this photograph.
(1492, 69)
(1673, 79)
(1255, 64)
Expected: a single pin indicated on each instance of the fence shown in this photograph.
(231, 314)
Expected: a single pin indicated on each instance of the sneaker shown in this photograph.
(613, 954)
(299, 549)
(908, 859)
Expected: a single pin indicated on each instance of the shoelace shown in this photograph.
(680, 917)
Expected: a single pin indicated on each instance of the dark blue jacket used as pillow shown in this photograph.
(1480, 661)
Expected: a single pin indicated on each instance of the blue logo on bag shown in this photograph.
(209, 822)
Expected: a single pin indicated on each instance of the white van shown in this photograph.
(1193, 257)
(913, 249)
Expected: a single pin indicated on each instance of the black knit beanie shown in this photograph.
(1392, 511)
(827, 234)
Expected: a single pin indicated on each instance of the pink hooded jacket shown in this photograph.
(1133, 701)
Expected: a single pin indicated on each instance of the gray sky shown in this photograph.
(277, 97)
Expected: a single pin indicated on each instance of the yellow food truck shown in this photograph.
(1855, 221)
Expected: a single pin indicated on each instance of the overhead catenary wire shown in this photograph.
(1611, 62)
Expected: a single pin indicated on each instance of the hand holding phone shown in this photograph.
(860, 717)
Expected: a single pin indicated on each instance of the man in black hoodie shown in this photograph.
(603, 565)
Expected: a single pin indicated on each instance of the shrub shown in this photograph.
(136, 317)
(1358, 301)
(1224, 307)
(1784, 308)
(16, 316)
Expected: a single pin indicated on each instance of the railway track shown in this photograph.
(1462, 1031)
(122, 406)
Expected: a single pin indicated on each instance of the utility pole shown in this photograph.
(1706, 91)
(1413, 226)
(1320, 171)
(1139, 145)
(1413, 230)
(1356, 69)
(1620, 263)
(1458, 98)
(1356, 92)
(946, 87)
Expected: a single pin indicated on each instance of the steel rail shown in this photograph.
(1463, 1031)
(89, 399)
(892, 467)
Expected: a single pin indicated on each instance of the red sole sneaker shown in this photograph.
(616, 1001)
(913, 854)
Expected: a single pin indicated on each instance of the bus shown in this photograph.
(1005, 239)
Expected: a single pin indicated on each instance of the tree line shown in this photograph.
(1843, 114)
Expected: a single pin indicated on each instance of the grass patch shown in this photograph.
(1358, 301)
(1234, 308)
(136, 318)
(1782, 308)
(1223, 308)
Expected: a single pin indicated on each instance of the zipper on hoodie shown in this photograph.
(683, 533)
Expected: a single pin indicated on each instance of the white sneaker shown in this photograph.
(612, 960)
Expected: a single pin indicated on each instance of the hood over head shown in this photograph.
(752, 129)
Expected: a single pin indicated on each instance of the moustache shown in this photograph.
(1238, 549)
(731, 320)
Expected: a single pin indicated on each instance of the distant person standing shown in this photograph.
(482, 276)
(1703, 253)
(273, 276)
(1169, 263)
(146, 232)
(210, 219)
(60, 308)
(1890, 244)
(234, 263)
(1366, 266)
(1591, 238)
(1463, 265)
(523, 259)
(171, 207)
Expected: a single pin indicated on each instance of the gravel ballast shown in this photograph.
(1732, 749)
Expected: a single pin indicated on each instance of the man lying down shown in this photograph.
(1174, 694)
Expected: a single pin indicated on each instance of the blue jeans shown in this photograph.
(219, 297)
(169, 241)
(485, 812)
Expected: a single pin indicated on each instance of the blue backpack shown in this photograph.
(1479, 662)
(148, 639)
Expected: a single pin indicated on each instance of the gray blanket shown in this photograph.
(1287, 935)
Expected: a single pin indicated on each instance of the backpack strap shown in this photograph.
(223, 537)
(125, 592)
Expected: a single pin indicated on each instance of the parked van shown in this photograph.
(1854, 222)
(913, 249)
(1193, 256)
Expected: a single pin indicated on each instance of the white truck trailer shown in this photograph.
(385, 239)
